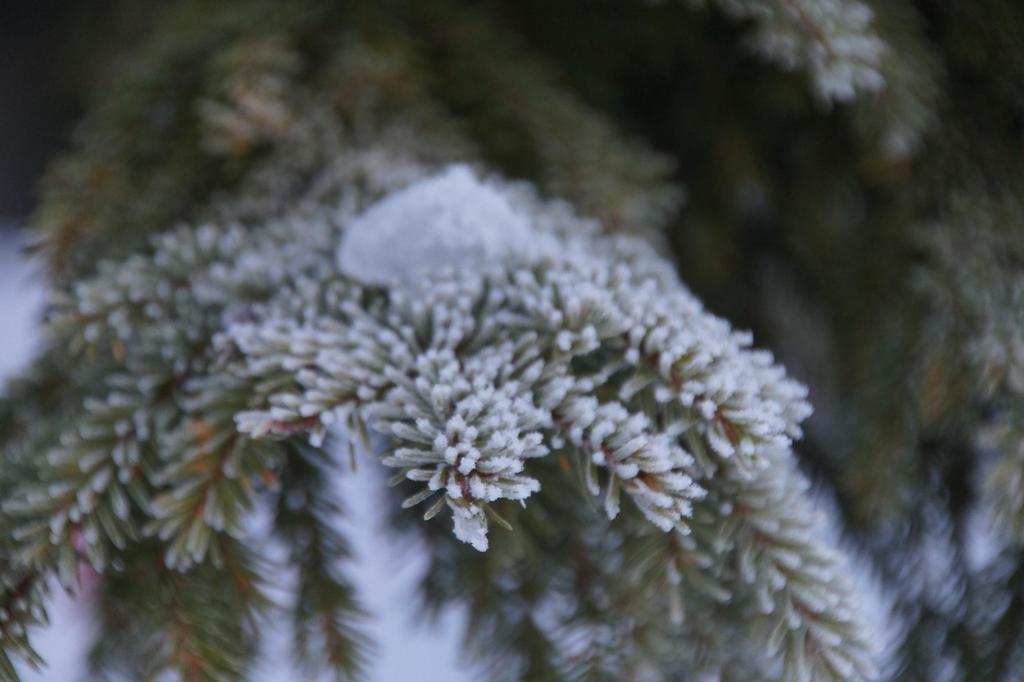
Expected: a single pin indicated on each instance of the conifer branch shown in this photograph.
(327, 613)
(833, 40)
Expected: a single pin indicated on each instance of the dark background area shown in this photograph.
(52, 53)
(38, 96)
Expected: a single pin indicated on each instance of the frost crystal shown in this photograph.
(452, 219)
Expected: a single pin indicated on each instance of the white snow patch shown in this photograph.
(452, 219)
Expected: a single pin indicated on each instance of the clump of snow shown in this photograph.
(452, 219)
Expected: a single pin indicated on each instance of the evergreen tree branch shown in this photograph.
(833, 40)
(327, 612)
(200, 625)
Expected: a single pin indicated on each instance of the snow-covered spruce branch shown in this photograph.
(549, 336)
(82, 504)
(975, 288)
(833, 40)
(78, 508)
(472, 374)
(155, 316)
(784, 561)
(206, 482)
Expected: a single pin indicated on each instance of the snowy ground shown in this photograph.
(385, 573)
